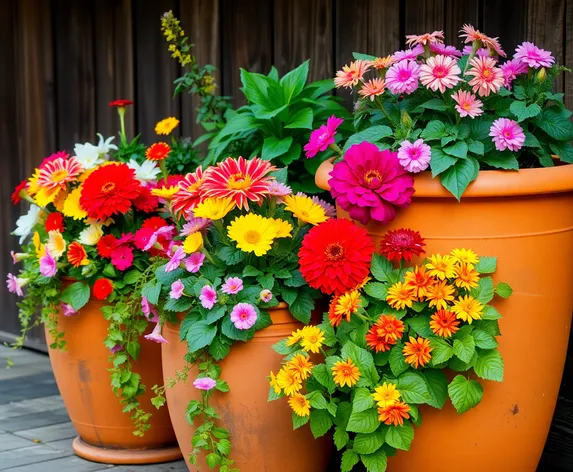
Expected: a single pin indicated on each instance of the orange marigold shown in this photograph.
(394, 414)
(417, 352)
(444, 323)
(419, 281)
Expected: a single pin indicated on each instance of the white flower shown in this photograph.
(91, 234)
(56, 244)
(104, 145)
(146, 172)
(25, 224)
(87, 155)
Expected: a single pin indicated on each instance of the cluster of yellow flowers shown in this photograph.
(174, 34)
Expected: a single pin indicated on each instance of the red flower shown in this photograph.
(145, 201)
(51, 158)
(109, 190)
(77, 255)
(55, 222)
(402, 244)
(16, 197)
(173, 180)
(106, 245)
(120, 103)
(335, 256)
(155, 222)
(189, 194)
(142, 237)
(157, 151)
(102, 288)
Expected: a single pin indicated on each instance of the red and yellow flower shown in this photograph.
(77, 255)
(394, 414)
(419, 281)
(189, 194)
(444, 323)
(345, 373)
(400, 296)
(417, 352)
(440, 294)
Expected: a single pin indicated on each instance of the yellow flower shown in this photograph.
(56, 244)
(33, 186)
(301, 365)
(60, 200)
(72, 208)
(40, 248)
(283, 228)
(312, 339)
(91, 235)
(45, 196)
(440, 294)
(305, 209)
(467, 308)
(214, 208)
(400, 296)
(87, 173)
(442, 267)
(299, 404)
(166, 126)
(464, 255)
(386, 395)
(165, 192)
(294, 338)
(289, 381)
(345, 373)
(273, 383)
(253, 233)
(348, 304)
(193, 242)
(466, 276)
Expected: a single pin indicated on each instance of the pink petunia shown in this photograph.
(322, 137)
(122, 257)
(440, 73)
(487, 77)
(48, 267)
(194, 262)
(175, 260)
(441, 48)
(115, 349)
(511, 69)
(18, 256)
(155, 335)
(243, 315)
(165, 231)
(266, 295)
(125, 238)
(402, 77)
(148, 309)
(142, 237)
(67, 309)
(177, 289)
(533, 56)
(414, 157)
(467, 104)
(408, 54)
(15, 284)
(232, 286)
(208, 297)
(204, 383)
(194, 224)
(507, 134)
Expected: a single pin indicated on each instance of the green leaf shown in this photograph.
(321, 374)
(268, 281)
(484, 340)
(421, 324)
(555, 122)
(476, 147)
(316, 400)
(459, 149)
(465, 394)
(274, 147)
(363, 57)
(238, 123)
(489, 326)
(368, 443)
(464, 348)
(320, 422)
(437, 387)
(348, 461)
(440, 161)
(250, 271)
(531, 140)
(231, 255)
(501, 160)
(376, 290)
(302, 307)
(490, 313)
(229, 330)
(376, 462)
(381, 268)
(441, 350)
(131, 277)
(302, 119)
(200, 334)
(413, 388)
(179, 305)
(219, 349)
(76, 295)
(216, 314)
(434, 130)
(363, 421)
(212, 460)
(523, 111)
(372, 135)
(434, 104)
(486, 265)
(362, 401)
(298, 421)
(283, 349)
(503, 290)
(457, 177)
(262, 113)
(400, 437)
(340, 437)
(133, 349)
(489, 365)
(109, 271)
(255, 87)
(293, 82)
(363, 360)
(484, 291)
(563, 150)
(397, 363)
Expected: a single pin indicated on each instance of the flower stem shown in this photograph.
(121, 113)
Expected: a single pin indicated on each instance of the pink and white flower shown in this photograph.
(467, 104)
(194, 224)
(148, 309)
(266, 295)
(48, 267)
(155, 335)
(194, 262)
(243, 315)
(440, 73)
(322, 137)
(373, 88)
(511, 69)
(67, 309)
(351, 74)
(278, 189)
(533, 56)
(15, 284)
(177, 289)
(429, 38)
(204, 383)
(507, 134)
(402, 77)
(208, 297)
(175, 260)
(166, 231)
(414, 157)
(232, 286)
(487, 77)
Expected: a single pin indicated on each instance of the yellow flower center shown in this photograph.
(312, 339)
(239, 181)
(194, 187)
(372, 178)
(108, 187)
(59, 175)
(487, 73)
(334, 252)
(252, 237)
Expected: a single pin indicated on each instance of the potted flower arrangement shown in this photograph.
(230, 288)
(435, 123)
(402, 341)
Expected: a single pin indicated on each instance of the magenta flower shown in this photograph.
(166, 231)
(177, 289)
(414, 157)
(148, 310)
(511, 69)
(117, 348)
(408, 54)
(278, 189)
(125, 238)
(402, 77)
(142, 237)
(243, 315)
(370, 183)
(67, 309)
(208, 297)
(155, 335)
(507, 134)
(194, 262)
(481, 52)
(15, 284)
(322, 137)
(48, 266)
(122, 257)
(175, 260)
(194, 224)
(232, 286)
(440, 73)
(204, 383)
(467, 104)
(441, 48)
(266, 295)
(533, 56)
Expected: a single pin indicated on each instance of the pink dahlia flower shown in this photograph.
(204, 383)
(155, 335)
(402, 78)
(48, 267)
(177, 289)
(487, 77)
(243, 315)
(67, 309)
(507, 134)
(266, 295)
(232, 286)
(370, 183)
(481, 52)
(175, 260)
(440, 73)
(408, 54)
(208, 297)
(414, 157)
(194, 224)
(467, 104)
(441, 48)
(322, 137)
(15, 284)
(122, 257)
(115, 349)
(194, 262)
(511, 69)
(533, 56)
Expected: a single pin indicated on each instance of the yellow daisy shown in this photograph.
(72, 207)
(299, 404)
(60, 200)
(193, 242)
(38, 246)
(273, 383)
(214, 208)
(301, 365)
(45, 196)
(442, 267)
(283, 227)
(464, 255)
(289, 381)
(345, 373)
(166, 126)
(312, 339)
(305, 209)
(253, 233)
(466, 276)
(33, 186)
(440, 294)
(348, 304)
(400, 296)
(294, 338)
(386, 394)
(165, 192)
(467, 308)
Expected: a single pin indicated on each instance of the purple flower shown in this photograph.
(15, 284)
(243, 315)
(208, 297)
(322, 137)
(266, 295)
(402, 77)
(194, 224)
(408, 54)
(329, 209)
(115, 349)
(194, 262)
(278, 189)
(155, 335)
(149, 309)
(533, 56)
(48, 266)
(204, 383)
(481, 52)
(232, 286)
(67, 309)
(175, 260)
(177, 288)
(511, 69)
(441, 48)
(414, 157)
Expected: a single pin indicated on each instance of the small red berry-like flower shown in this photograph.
(120, 103)
(102, 288)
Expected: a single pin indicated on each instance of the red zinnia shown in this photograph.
(189, 194)
(108, 190)
(16, 197)
(122, 103)
(145, 201)
(335, 256)
(402, 244)
(77, 255)
(106, 245)
(102, 288)
(55, 222)
(157, 151)
(155, 222)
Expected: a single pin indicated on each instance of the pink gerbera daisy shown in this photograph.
(408, 54)
(322, 137)
(208, 297)
(428, 38)
(373, 88)
(441, 48)
(487, 77)
(414, 157)
(350, 75)
(194, 224)
(507, 134)
(58, 172)
(194, 262)
(402, 78)
(533, 56)
(189, 194)
(467, 104)
(122, 257)
(511, 69)
(440, 73)
(471, 34)
(278, 189)
(243, 315)
(232, 286)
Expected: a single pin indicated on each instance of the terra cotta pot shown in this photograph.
(525, 218)
(83, 378)
(261, 432)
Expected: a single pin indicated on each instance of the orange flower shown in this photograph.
(77, 255)
(345, 373)
(444, 323)
(373, 88)
(466, 276)
(400, 296)
(419, 281)
(394, 414)
(417, 352)
(385, 333)
(440, 294)
(301, 365)
(350, 75)
(333, 317)
(382, 62)
(157, 151)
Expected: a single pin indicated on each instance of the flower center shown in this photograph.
(334, 252)
(404, 75)
(243, 316)
(59, 175)
(194, 187)
(312, 339)
(487, 73)
(108, 187)
(239, 181)
(507, 134)
(466, 106)
(372, 178)
(440, 71)
(252, 237)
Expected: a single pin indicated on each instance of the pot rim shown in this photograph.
(490, 183)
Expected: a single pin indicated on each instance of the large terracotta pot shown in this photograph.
(261, 432)
(81, 371)
(526, 219)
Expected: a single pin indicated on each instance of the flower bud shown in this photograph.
(541, 75)
(406, 120)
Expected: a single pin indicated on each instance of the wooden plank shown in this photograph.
(568, 57)
(246, 42)
(505, 20)
(457, 14)
(423, 16)
(303, 30)
(384, 34)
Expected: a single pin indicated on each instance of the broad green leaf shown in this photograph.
(372, 135)
(440, 161)
(293, 82)
(400, 437)
(555, 122)
(363, 57)
(302, 119)
(490, 313)
(376, 462)
(238, 123)
(302, 307)
(397, 362)
(362, 400)
(219, 349)
(274, 147)
(421, 324)
(131, 277)
(434, 104)
(489, 365)
(457, 177)
(486, 265)
(320, 422)
(298, 421)
(348, 461)
(381, 268)
(250, 271)
(76, 295)
(340, 437)
(363, 421)
(437, 387)
(476, 147)
(321, 374)
(316, 400)
(441, 350)
(363, 360)
(255, 87)
(501, 160)
(291, 155)
(503, 290)
(459, 149)
(484, 291)
(464, 348)
(179, 305)
(376, 290)
(413, 388)
(262, 113)
(489, 326)
(531, 140)
(368, 443)
(484, 340)
(229, 330)
(523, 111)
(199, 335)
(434, 130)
(465, 394)
(563, 150)
(231, 255)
